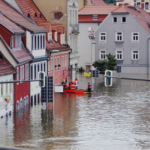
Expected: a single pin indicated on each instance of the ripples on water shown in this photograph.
(115, 118)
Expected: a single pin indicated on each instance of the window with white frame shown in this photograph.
(41, 66)
(119, 36)
(62, 62)
(55, 36)
(17, 75)
(147, 5)
(102, 54)
(135, 54)
(135, 37)
(61, 39)
(22, 73)
(27, 71)
(95, 17)
(44, 67)
(119, 54)
(15, 41)
(50, 37)
(66, 62)
(31, 72)
(103, 37)
(2, 89)
(58, 62)
(114, 19)
(35, 75)
(139, 4)
(51, 64)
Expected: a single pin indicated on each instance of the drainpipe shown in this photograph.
(148, 56)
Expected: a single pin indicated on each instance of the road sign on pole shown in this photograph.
(94, 73)
(108, 81)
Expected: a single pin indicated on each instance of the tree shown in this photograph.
(109, 64)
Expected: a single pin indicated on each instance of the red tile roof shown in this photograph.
(19, 19)
(19, 55)
(95, 10)
(28, 6)
(120, 9)
(10, 25)
(5, 66)
(141, 16)
(98, 2)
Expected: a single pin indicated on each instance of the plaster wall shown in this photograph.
(127, 45)
(85, 47)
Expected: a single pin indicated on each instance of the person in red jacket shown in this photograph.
(76, 83)
(89, 87)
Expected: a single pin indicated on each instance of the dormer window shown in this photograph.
(35, 15)
(50, 37)
(139, 4)
(1, 57)
(28, 15)
(15, 41)
(56, 36)
(62, 39)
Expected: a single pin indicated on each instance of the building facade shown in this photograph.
(127, 39)
(90, 17)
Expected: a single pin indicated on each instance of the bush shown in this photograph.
(81, 69)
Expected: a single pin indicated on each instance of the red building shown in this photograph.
(11, 36)
(55, 40)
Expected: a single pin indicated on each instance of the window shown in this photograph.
(55, 64)
(35, 42)
(22, 73)
(11, 85)
(95, 17)
(52, 64)
(56, 36)
(18, 40)
(119, 36)
(102, 54)
(123, 19)
(43, 41)
(35, 71)
(44, 67)
(62, 62)
(41, 66)
(119, 54)
(38, 43)
(49, 37)
(27, 71)
(17, 75)
(146, 5)
(135, 37)
(103, 37)
(31, 72)
(6, 88)
(66, 61)
(58, 63)
(32, 42)
(139, 4)
(135, 55)
(114, 19)
(2, 85)
(38, 67)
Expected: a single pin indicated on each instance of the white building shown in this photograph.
(72, 34)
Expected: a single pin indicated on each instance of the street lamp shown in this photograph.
(54, 51)
(92, 37)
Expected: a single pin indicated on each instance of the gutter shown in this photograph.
(148, 55)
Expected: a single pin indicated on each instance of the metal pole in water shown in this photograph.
(47, 91)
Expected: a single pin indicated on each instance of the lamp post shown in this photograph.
(92, 37)
(54, 51)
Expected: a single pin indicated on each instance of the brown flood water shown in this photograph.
(114, 118)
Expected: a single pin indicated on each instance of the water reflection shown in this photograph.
(116, 118)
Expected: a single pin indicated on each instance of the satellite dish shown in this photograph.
(89, 28)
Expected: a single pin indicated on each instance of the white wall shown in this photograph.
(84, 43)
(4, 106)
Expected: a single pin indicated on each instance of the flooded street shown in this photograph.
(114, 118)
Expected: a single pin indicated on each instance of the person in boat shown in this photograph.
(76, 83)
(89, 87)
(71, 86)
(65, 85)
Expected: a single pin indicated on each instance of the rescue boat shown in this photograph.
(80, 91)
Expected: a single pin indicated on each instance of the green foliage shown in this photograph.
(109, 64)
(81, 69)
(110, 2)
